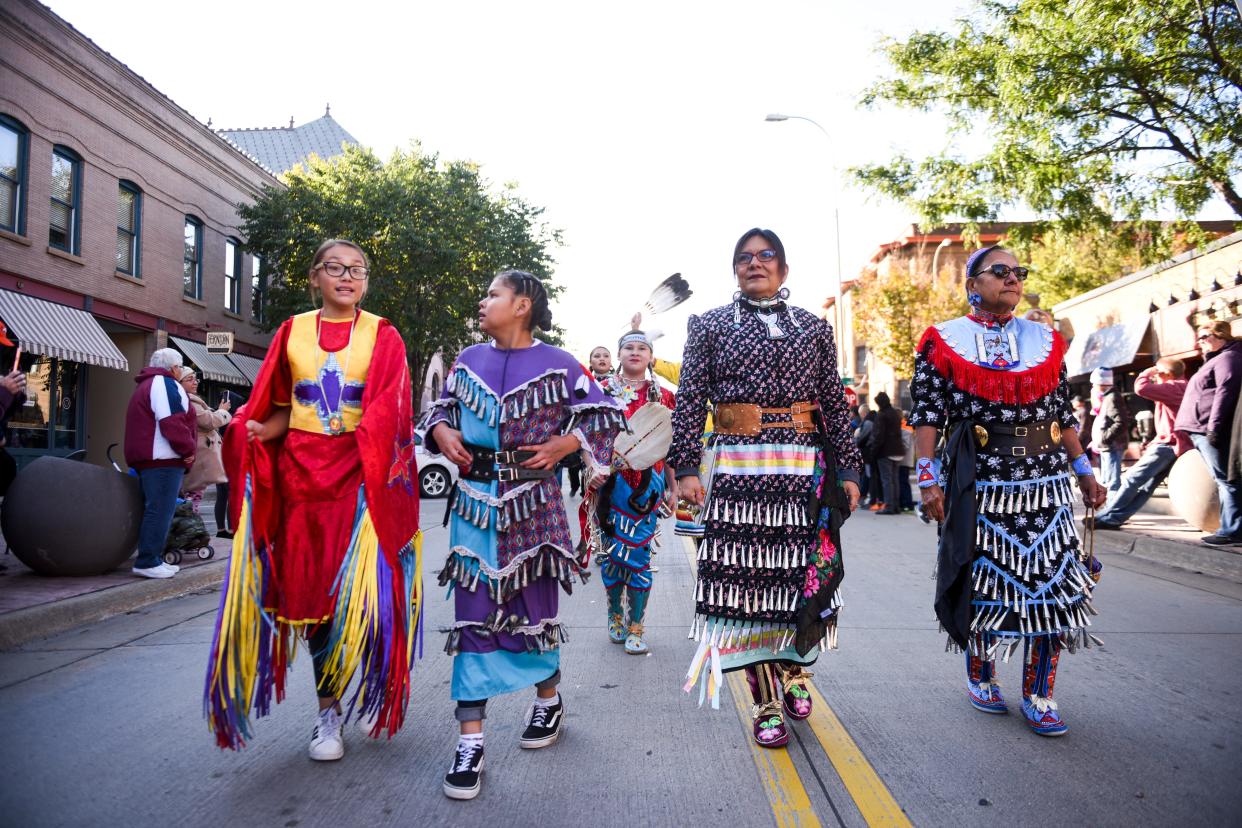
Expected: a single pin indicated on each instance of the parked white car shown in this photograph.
(436, 475)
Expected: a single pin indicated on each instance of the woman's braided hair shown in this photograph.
(530, 286)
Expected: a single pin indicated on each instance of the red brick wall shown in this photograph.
(67, 91)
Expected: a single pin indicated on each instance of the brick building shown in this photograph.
(119, 234)
(942, 249)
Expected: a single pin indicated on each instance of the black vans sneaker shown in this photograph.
(465, 776)
(543, 724)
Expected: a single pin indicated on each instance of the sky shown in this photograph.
(638, 126)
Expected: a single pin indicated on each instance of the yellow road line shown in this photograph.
(780, 779)
(868, 791)
(786, 794)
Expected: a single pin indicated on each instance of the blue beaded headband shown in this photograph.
(976, 258)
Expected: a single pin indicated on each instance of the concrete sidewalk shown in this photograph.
(1158, 535)
(34, 606)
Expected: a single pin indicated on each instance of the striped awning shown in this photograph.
(59, 331)
(213, 366)
(248, 365)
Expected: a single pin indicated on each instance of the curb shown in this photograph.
(44, 620)
(1221, 563)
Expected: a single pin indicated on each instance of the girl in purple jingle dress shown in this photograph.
(511, 410)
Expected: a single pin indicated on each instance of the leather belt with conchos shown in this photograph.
(746, 419)
(1022, 440)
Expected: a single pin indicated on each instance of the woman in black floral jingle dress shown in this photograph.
(785, 476)
(1010, 570)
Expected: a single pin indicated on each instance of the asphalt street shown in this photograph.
(103, 725)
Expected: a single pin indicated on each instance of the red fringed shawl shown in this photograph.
(1012, 387)
(385, 440)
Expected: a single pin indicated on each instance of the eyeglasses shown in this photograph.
(1002, 271)
(765, 255)
(337, 270)
(189, 378)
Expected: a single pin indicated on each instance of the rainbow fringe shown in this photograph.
(248, 652)
(375, 626)
(376, 623)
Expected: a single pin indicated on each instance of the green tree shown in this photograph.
(1068, 263)
(435, 232)
(1094, 109)
(892, 311)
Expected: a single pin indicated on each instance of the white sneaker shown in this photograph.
(161, 570)
(326, 743)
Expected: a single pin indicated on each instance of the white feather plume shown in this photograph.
(668, 294)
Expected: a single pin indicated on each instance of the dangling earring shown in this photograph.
(974, 299)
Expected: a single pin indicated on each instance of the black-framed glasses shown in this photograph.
(337, 270)
(1002, 271)
(765, 255)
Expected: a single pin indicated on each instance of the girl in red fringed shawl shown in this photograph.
(325, 499)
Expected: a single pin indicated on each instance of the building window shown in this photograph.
(258, 287)
(128, 227)
(51, 417)
(232, 275)
(13, 141)
(192, 262)
(65, 219)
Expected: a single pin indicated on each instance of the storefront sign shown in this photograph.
(1109, 347)
(219, 342)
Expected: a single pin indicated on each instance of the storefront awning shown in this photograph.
(248, 365)
(213, 366)
(59, 331)
(1109, 347)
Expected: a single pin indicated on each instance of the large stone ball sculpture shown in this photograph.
(1192, 492)
(63, 517)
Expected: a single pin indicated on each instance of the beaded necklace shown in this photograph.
(336, 423)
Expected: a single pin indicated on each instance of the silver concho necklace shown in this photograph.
(771, 318)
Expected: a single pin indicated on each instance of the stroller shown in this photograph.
(188, 534)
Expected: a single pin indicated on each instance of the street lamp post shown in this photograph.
(777, 117)
(936, 256)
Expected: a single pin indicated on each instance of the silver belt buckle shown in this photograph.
(1020, 431)
(506, 475)
(1019, 451)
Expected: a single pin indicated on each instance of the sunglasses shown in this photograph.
(1001, 271)
(766, 255)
